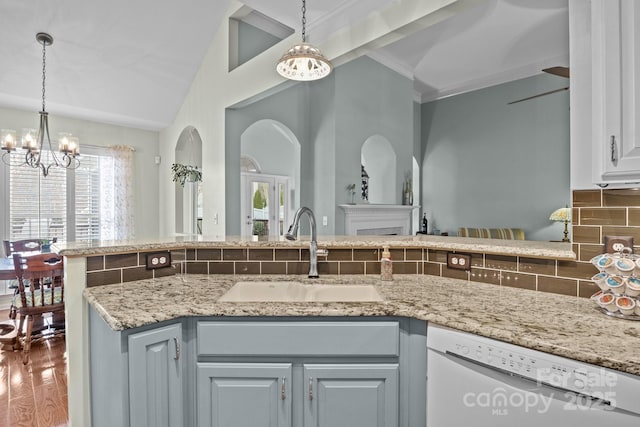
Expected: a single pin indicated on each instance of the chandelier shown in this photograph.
(304, 62)
(39, 151)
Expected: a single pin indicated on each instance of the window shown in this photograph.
(71, 205)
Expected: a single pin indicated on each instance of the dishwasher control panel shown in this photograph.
(535, 367)
(567, 374)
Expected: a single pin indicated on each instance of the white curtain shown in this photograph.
(121, 193)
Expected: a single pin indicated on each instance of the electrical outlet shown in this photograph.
(158, 260)
(614, 244)
(324, 220)
(458, 261)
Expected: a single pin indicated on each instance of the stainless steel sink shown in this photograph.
(292, 291)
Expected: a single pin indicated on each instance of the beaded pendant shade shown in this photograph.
(304, 62)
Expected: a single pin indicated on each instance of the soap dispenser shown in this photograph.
(386, 265)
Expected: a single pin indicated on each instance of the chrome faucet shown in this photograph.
(313, 245)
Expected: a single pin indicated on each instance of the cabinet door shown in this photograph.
(155, 378)
(616, 90)
(244, 394)
(351, 395)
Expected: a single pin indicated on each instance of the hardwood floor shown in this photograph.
(34, 395)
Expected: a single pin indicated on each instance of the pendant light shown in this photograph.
(304, 62)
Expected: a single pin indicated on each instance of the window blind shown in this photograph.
(38, 205)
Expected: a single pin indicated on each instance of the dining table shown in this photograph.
(7, 270)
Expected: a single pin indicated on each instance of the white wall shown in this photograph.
(215, 88)
(580, 97)
(144, 142)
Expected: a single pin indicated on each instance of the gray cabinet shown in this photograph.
(309, 373)
(351, 395)
(244, 394)
(155, 377)
(259, 372)
(137, 375)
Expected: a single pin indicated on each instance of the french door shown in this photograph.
(264, 206)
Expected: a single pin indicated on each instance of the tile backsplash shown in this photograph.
(596, 213)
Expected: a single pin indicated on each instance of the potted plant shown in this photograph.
(183, 173)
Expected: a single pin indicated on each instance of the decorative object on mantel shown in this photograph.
(407, 190)
(185, 173)
(562, 215)
(34, 143)
(304, 62)
(619, 283)
(351, 188)
(364, 176)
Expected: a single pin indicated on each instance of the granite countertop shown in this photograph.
(557, 324)
(528, 248)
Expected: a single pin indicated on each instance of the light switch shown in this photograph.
(324, 220)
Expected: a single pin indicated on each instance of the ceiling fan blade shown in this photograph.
(539, 95)
(558, 71)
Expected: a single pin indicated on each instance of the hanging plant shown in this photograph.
(184, 173)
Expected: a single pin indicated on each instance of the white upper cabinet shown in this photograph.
(615, 91)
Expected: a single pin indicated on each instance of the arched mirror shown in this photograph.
(187, 174)
(379, 163)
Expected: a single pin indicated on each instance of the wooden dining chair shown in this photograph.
(40, 291)
(26, 245)
(23, 246)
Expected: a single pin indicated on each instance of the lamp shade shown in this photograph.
(562, 214)
(304, 62)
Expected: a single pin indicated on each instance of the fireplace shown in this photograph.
(377, 220)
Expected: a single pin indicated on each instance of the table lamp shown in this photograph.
(562, 214)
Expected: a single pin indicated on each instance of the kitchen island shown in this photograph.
(557, 324)
(223, 342)
(80, 258)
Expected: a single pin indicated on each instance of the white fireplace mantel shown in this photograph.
(377, 219)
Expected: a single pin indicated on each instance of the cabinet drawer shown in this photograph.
(314, 338)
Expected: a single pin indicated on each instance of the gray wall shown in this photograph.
(287, 107)
(489, 164)
(331, 118)
(252, 41)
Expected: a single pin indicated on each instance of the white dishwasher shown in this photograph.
(476, 381)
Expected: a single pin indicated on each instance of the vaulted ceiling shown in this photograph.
(132, 62)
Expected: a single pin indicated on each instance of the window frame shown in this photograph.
(5, 212)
